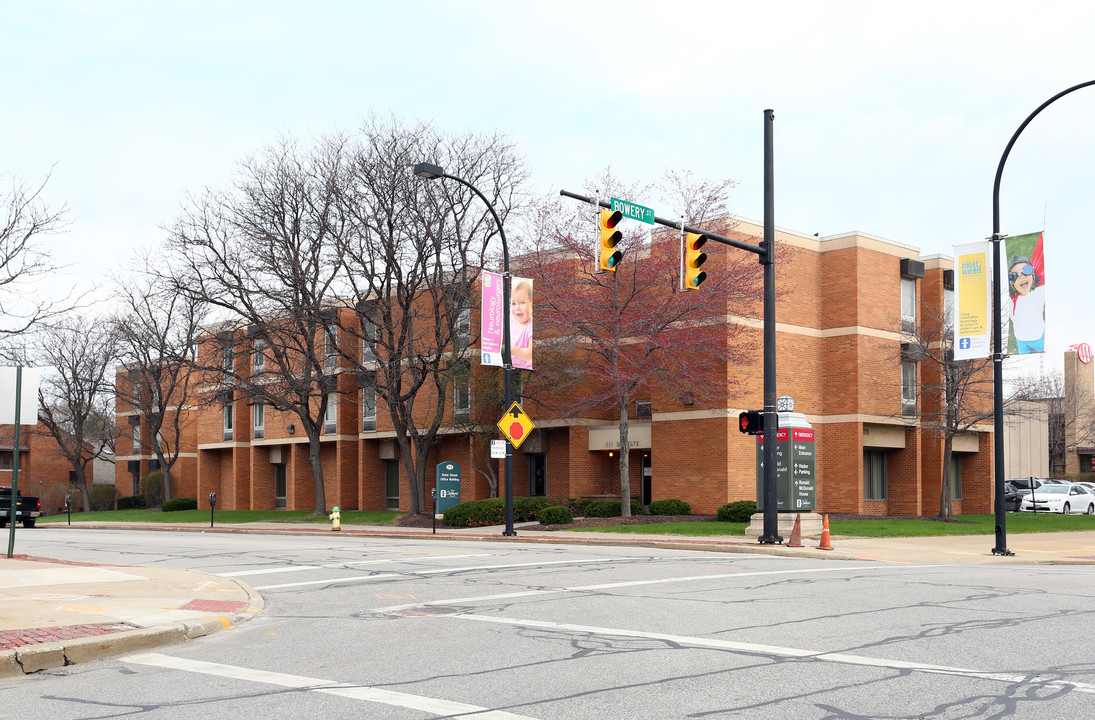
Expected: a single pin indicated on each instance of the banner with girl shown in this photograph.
(1024, 305)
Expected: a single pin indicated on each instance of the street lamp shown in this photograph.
(428, 171)
(999, 510)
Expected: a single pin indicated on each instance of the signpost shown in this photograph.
(448, 486)
(796, 468)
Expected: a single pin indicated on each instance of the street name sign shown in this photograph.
(633, 211)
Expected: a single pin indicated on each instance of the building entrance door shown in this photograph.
(279, 486)
(645, 495)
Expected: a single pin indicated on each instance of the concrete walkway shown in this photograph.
(55, 613)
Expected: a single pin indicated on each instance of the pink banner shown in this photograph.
(492, 319)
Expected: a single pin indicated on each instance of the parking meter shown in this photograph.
(68, 507)
(212, 504)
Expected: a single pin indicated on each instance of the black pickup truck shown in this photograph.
(27, 508)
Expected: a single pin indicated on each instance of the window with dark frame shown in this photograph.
(874, 474)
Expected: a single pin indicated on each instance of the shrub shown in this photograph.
(611, 508)
(738, 512)
(126, 503)
(556, 515)
(175, 504)
(670, 507)
(527, 509)
(577, 506)
(152, 487)
(102, 497)
(477, 513)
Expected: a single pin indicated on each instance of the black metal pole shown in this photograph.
(1001, 547)
(771, 534)
(506, 358)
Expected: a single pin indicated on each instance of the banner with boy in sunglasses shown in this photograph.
(1025, 303)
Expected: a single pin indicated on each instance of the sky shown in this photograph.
(890, 118)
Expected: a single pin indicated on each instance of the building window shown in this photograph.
(948, 307)
(137, 439)
(463, 328)
(258, 413)
(461, 393)
(228, 361)
(956, 476)
(7, 457)
(228, 421)
(908, 305)
(908, 388)
(258, 357)
(874, 474)
(368, 408)
(368, 340)
(330, 347)
(330, 415)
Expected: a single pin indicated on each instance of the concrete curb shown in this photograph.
(670, 543)
(46, 656)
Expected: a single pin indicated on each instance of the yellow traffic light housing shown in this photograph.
(610, 237)
(693, 259)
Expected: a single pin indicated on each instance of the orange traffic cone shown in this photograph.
(796, 533)
(826, 544)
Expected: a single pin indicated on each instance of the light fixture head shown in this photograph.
(428, 171)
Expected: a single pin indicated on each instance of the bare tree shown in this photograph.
(263, 254)
(954, 395)
(633, 332)
(23, 261)
(414, 253)
(156, 331)
(1071, 410)
(75, 395)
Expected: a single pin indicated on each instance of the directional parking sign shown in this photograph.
(516, 425)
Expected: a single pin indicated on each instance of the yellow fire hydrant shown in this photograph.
(336, 519)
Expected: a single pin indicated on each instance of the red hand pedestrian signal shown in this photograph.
(751, 422)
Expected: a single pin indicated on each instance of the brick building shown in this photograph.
(44, 471)
(846, 303)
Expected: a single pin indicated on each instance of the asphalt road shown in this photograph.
(419, 629)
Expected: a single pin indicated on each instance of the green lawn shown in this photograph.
(883, 527)
(349, 517)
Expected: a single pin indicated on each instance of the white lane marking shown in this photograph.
(759, 649)
(632, 583)
(436, 706)
(297, 568)
(415, 573)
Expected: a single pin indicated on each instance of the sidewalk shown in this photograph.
(54, 613)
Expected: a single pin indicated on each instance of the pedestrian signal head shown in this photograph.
(693, 259)
(610, 257)
(751, 422)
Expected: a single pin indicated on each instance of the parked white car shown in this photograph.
(1064, 499)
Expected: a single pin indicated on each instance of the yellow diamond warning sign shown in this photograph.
(515, 425)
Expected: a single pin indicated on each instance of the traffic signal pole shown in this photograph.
(770, 534)
(766, 253)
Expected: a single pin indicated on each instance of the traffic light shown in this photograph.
(751, 422)
(693, 259)
(610, 236)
